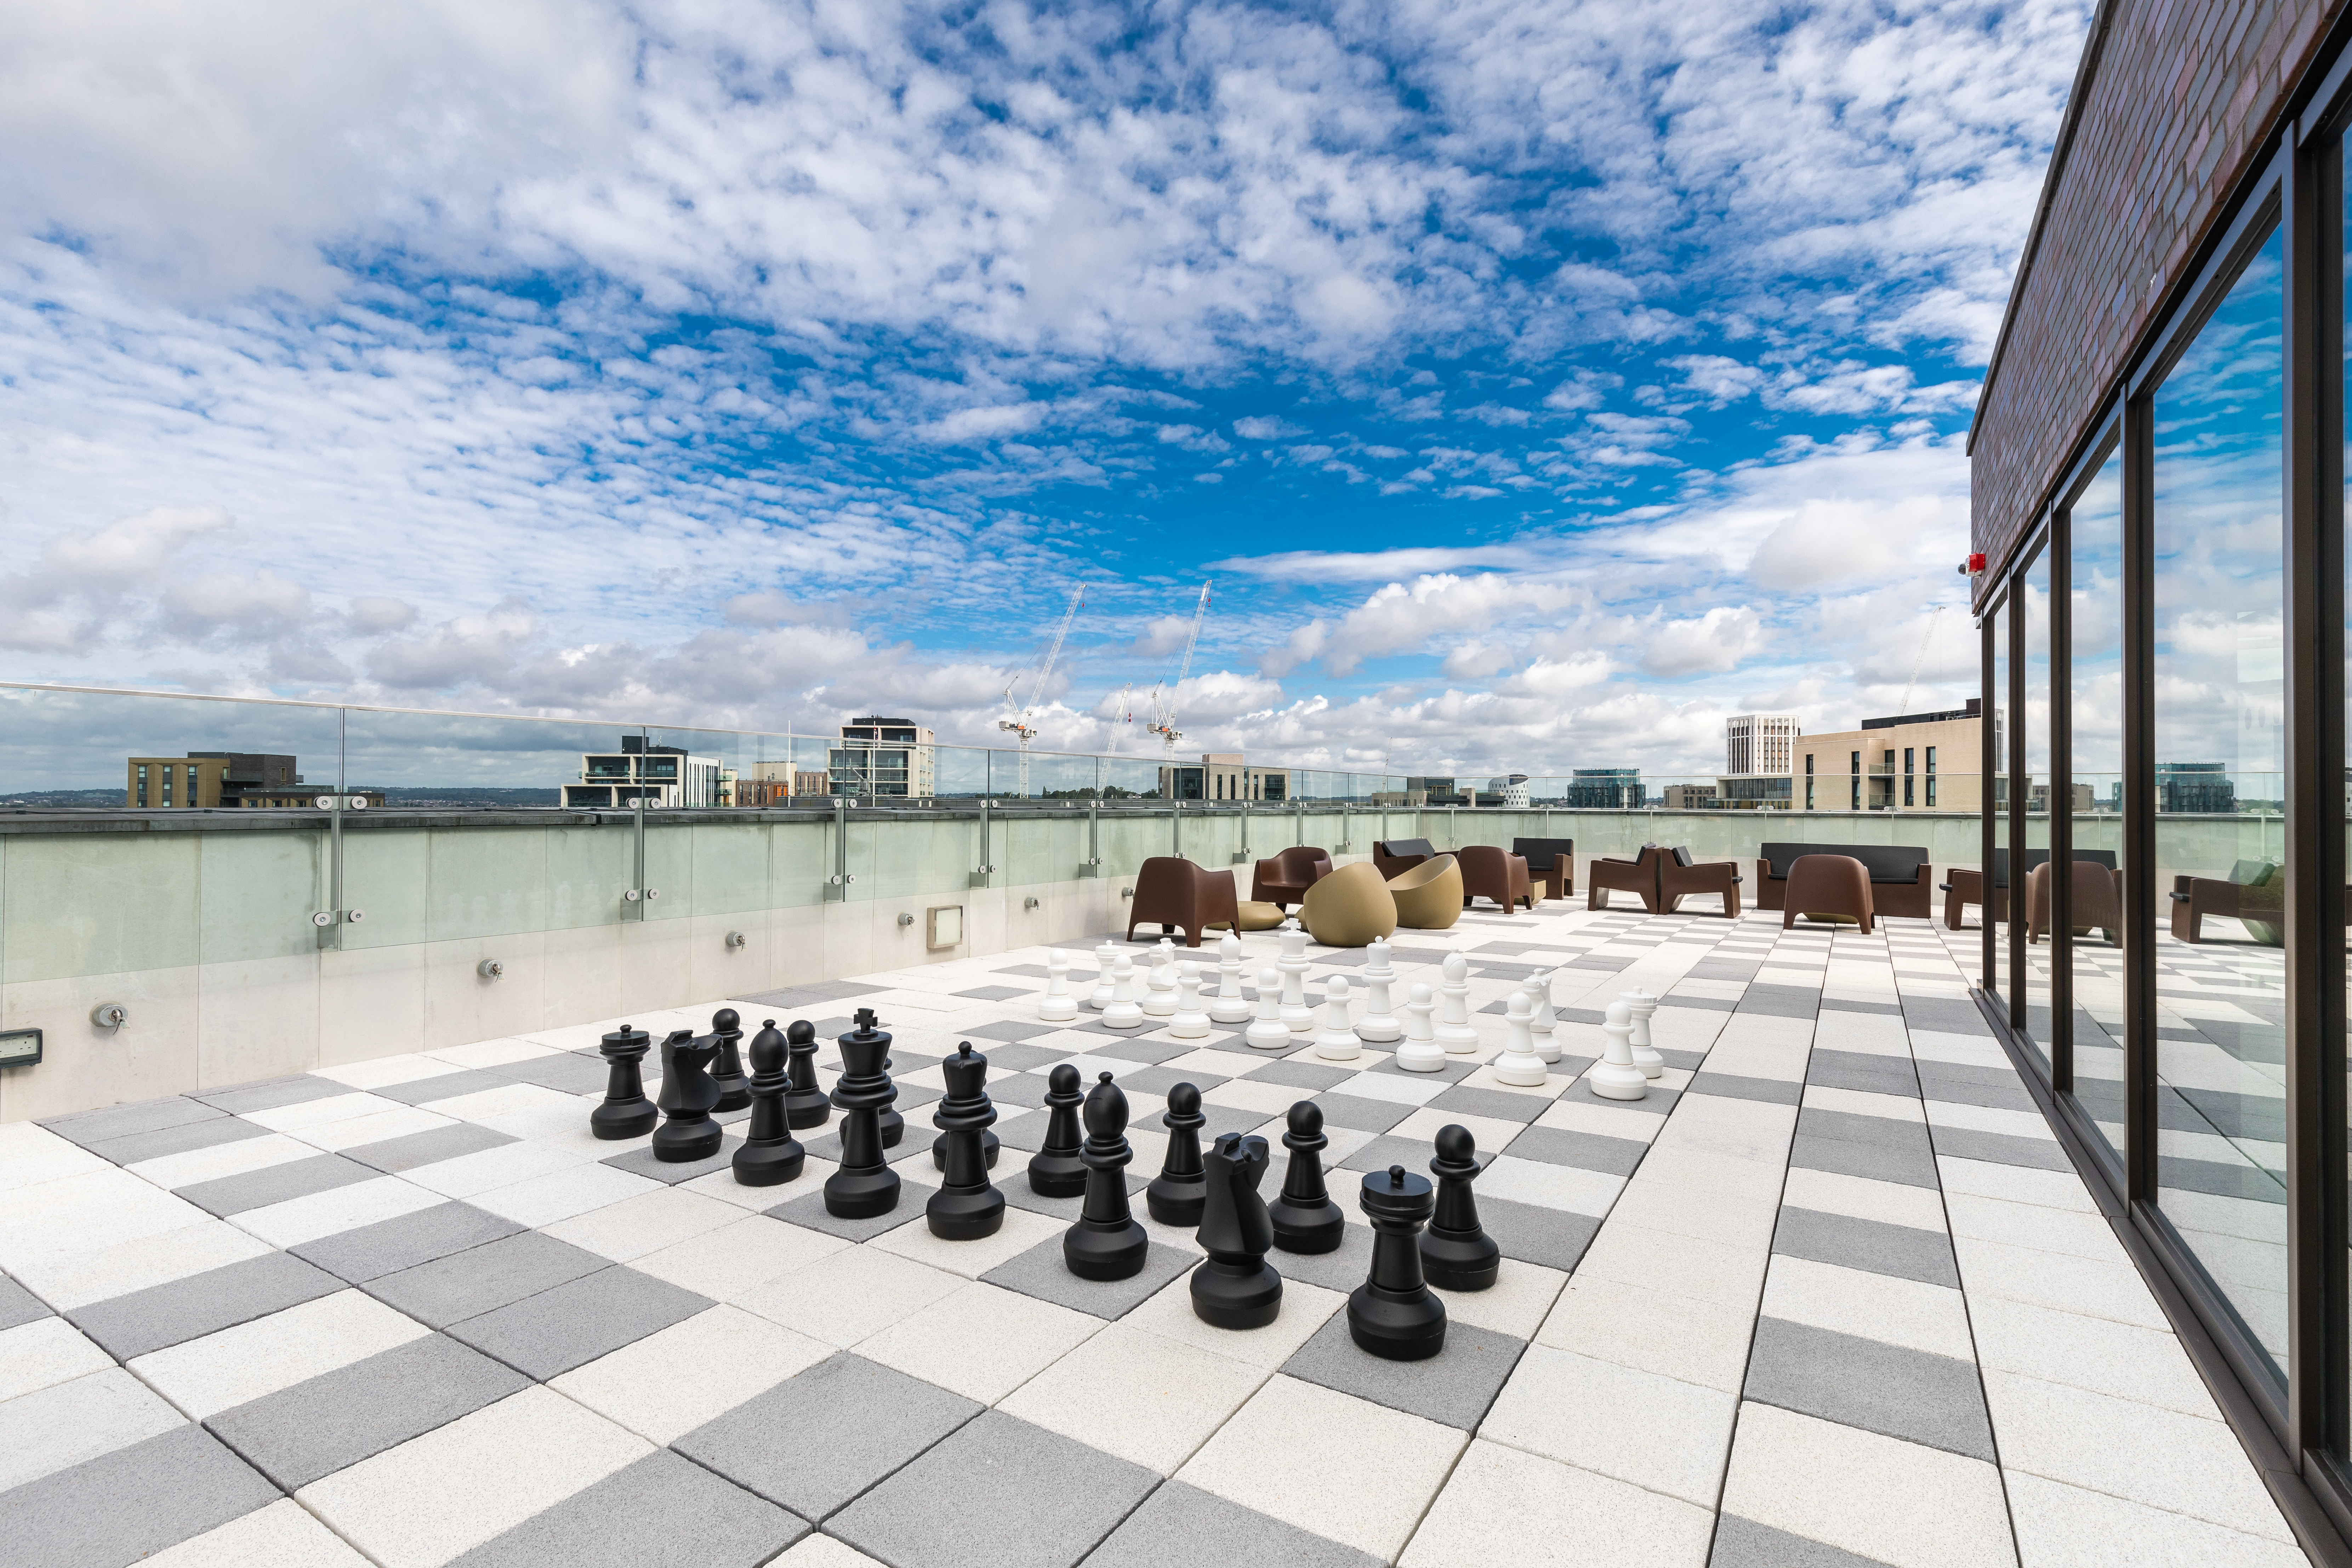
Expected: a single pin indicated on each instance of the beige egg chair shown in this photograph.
(1428, 896)
(1349, 908)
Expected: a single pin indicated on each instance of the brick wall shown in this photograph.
(2184, 96)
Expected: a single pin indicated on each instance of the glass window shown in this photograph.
(2218, 789)
(1996, 884)
(2033, 789)
(2094, 596)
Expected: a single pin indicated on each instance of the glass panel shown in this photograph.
(2034, 609)
(1995, 890)
(2095, 730)
(2218, 786)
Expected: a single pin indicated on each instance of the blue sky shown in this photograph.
(1537, 383)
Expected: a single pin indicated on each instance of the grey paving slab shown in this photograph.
(1149, 1050)
(661, 1509)
(873, 1420)
(1180, 1526)
(1024, 1089)
(1736, 1086)
(815, 992)
(321, 1424)
(564, 1072)
(1862, 1071)
(1995, 1086)
(1453, 1387)
(429, 1148)
(1870, 1245)
(272, 1094)
(1146, 1088)
(89, 1128)
(390, 1245)
(1342, 1270)
(446, 1086)
(1744, 1543)
(997, 1493)
(997, 993)
(1658, 1100)
(1040, 1272)
(276, 1183)
(1012, 1032)
(2000, 1148)
(1585, 1151)
(483, 1278)
(1492, 1103)
(807, 1208)
(129, 1504)
(1944, 1016)
(200, 1304)
(1780, 1001)
(207, 1133)
(1453, 1070)
(572, 1324)
(1354, 1111)
(1877, 1147)
(1854, 1005)
(18, 1305)
(641, 1161)
(1890, 1389)
(1311, 1075)
(1555, 1238)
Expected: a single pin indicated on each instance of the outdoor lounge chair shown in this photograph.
(2097, 894)
(1429, 895)
(1283, 880)
(1497, 874)
(1606, 874)
(1900, 875)
(1551, 862)
(1175, 893)
(1391, 857)
(1349, 906)
(1680, 877)
(1820, 884)
(1967, 884)
(2254, 894)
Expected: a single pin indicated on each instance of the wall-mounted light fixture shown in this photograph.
(110, 1014)
(906, 920)
(735, 938)
(1030, 902)
(490, 969)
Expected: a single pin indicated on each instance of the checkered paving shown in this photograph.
(1831, 1293)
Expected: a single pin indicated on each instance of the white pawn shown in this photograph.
(1335, 1041)
(1641, 1003)
(1421, 1052)
(1454, 1030)
(1057, 1005)
(1267, 1032)
(1541, 1025)
(1379, 1025)
(1229, 1006)
(1160, 985)
(1614, 1076)
(1189, 1023)
(1123, 1011)
(1100, 996)
(1293, 964)
(1518, 1066)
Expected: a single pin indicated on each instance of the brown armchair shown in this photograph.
(2097, 894)
(1283, 880)
(2254, 894)
(1829, 885)
(1680, 877)
(1899, 875)
(1497, 873)
(1393, 858)
(1551, 862)
(1607, 874)
(1176, 893)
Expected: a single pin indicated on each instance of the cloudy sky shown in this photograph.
(1537, 383)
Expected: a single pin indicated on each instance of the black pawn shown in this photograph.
(806, 1105)
(1055, 1171)
(966, 1208)
(1456, 1253)
(1236, 1288)
(1176, 1195)
(626, 1112)
(1306, 1219)
(1394, 1314)
(865, 1185)
(1106, 1243)
(686, 1097)
(770, 1153)
(734, 1089)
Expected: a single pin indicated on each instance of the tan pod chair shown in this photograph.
(1428, 896)
(1349, 908)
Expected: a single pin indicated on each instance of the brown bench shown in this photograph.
(1680, 877)
(2254, 894)
(1551, 862)
(1606, 874)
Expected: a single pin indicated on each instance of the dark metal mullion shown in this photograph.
(2019, 904)
(1990, 798)
(2140, 893)
(2328, 740)
(2061, 1043)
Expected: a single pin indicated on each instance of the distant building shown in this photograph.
(1435, 791)
(1605, 789)
(1511, 789)
(885, 757)
(664, 776)
(1756, 792)
(1759, 743)
(207, 779)
(772, 784)
(2195, 787)
(1912, 761)
(1689, 797)
(1222, 777)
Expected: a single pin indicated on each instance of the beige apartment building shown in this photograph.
(1917, 762)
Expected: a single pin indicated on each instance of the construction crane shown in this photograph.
(1934, 616)
(1121, 712)
(1163, 706)
(1018, 721)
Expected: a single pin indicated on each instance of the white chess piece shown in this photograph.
(1421, 1052)
(1189, 1023)
(1267, 1032)
(1100, 996)
(1160, 985)
(1229, 1006)
(1614, 1076)
(1057, 1005)
(1542, 1024)
(1641, 1003)
(1454, 1030)
(1335, 1041)
(1518, 1066)
(1293, 964)
(1123, 1011)
(1379, 1025)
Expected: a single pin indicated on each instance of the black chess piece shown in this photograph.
(686, 1097)
(1305, 1217)
(865, 1185)
(1055, 1171)
(1175, 1195)
(1237, 1288)
(1106, 1243)
(893, 1125)
(770, 1153)
(806, 1105)
(626, 1112)
(1456, 1253)
(734, 1089)
(1393, 1313)
(966, 1208)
